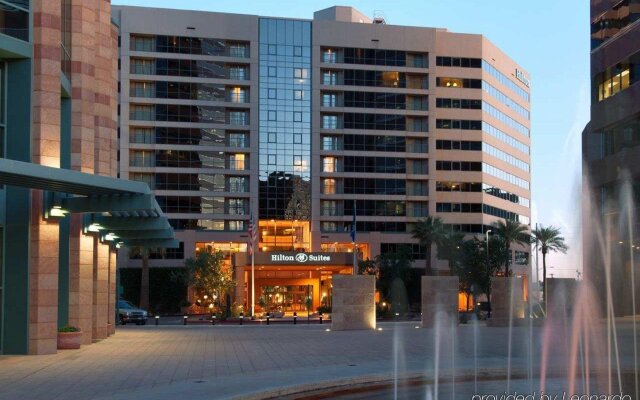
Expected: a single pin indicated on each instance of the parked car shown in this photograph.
(127, 312)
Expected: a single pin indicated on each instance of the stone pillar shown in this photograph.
(111, 311)
(100, 291)
(561, 296)
(439, 295)
(353, 305)
(81, 279)
(507, 298)
(45, 150)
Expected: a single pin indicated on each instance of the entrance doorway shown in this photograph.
(291, 298)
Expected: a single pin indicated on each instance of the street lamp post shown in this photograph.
(488, 271)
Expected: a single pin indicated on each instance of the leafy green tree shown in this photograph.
(511, 232)
(207, 274)
(429, 231)
(548, 239)
(476, 267)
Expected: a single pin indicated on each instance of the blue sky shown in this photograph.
(550, 39)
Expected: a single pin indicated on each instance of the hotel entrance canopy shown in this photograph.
(122, 211)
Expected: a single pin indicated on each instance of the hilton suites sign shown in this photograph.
(299, 258)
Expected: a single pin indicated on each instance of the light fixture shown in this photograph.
(57, 211)
(110, 237)
(94, 227)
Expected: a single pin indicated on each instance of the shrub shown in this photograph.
(68, 328)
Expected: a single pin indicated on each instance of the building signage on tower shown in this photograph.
(520, 76)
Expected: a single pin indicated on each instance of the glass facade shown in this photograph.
(14, 19)
(607, 24)
(285, 119)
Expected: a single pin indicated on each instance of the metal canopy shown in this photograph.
(123, 210)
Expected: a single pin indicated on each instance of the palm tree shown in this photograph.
(511, 232)
(429, 231)
(143, 253)
(548, 240)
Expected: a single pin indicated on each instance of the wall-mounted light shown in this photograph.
(52, 205)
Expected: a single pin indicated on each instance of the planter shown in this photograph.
(69, 340)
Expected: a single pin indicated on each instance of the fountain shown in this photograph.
(579, 345)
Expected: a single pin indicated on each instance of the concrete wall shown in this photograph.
(439, 295)
(507, 301)
(353, 305)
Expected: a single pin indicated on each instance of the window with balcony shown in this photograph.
(237, 161)
(329, 208)
(238, 73)
(328, 99)
(238, 50)
(141, 112)
(141, 135)
(329, 164)
(330, 121)
(329, 186)
(237, 139)
(238, 184)
(142, 158)
(330, 143)
(329, 78)
(142, 66)
(142, 43)
(329, 56)
(238, 118)
(141, 89)
(238, 95)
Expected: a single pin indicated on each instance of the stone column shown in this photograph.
(100, 291)
(111, 311)
(439, 297)
(353, 304)
(45, 150)
(83, 85)
(507, 301)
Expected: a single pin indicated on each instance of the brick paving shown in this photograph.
(158, 362)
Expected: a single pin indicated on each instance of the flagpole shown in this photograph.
(353, 236)
(253, 268)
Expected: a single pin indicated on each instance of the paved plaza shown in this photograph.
(219, 362)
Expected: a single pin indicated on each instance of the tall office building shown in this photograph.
(611, 144)
(304, 123)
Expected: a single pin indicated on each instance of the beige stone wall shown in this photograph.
(439, 295)
(45, 148)
(507, 301)
(353, 303)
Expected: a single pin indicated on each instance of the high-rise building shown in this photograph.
(611, 146)
(302, 124)
(62, 210)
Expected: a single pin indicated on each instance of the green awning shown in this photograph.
(120, 210)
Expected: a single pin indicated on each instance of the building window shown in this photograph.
(272, 137)
(329, 143)
(238, 118)
(329, 78)
(237, 139)
(329, 186)
(237, 161)
(238, 95)
(142, 89)
(273, 72)
(329, 56)
(142, 159)
(300, 73)
(236, 206)
(329, 164)
(141, 112)
(271, 159)
(329, 208)
(142, 66)
(237, 226)
(330, 121)
(272, 93)
(297, 138)
(297, 116)
(141, 135)
(298, 95)
(328, 100)
(238, 50)
(237, 184)
(272, 116)
(238, 73)
(142, 43)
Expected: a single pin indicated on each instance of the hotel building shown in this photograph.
(302, 123)
(62, 210)
(611, 148)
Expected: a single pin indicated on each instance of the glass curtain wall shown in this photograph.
(285, 119)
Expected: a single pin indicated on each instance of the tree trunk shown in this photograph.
(429, 268)
(144, 281)
(506, 263)
(544, 278)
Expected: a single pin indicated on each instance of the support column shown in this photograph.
(100, 290)
(111, 311)
(507, 301)
(45, 150)
(81, 279)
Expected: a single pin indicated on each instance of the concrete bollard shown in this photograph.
(185, 320)
(295, 318)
